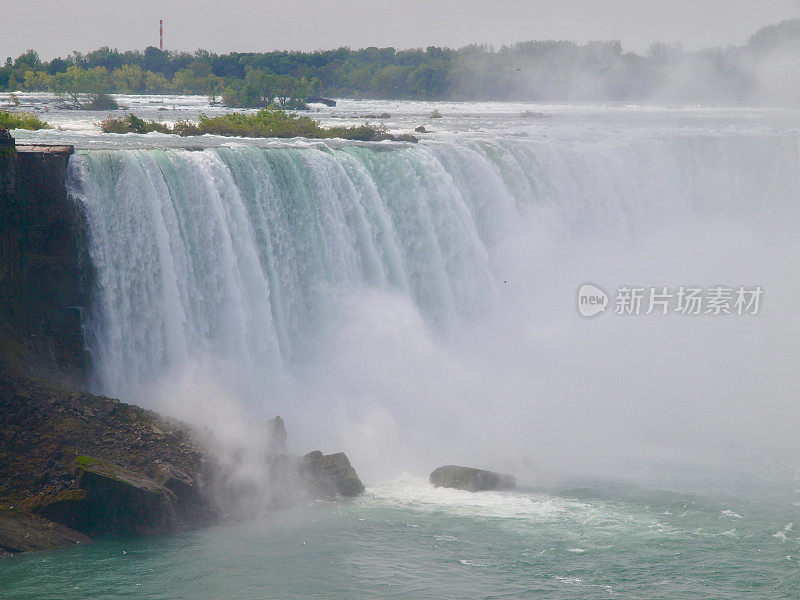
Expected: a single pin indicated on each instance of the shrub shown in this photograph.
(132, 124)
(12, 120)
(102, 102)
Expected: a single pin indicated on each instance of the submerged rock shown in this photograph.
(22, 532)
(471, 480)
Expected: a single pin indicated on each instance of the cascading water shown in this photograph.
(415, 305)
(238, 251)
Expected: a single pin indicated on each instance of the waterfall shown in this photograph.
(240, 251)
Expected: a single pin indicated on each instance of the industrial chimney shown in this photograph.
(161, 34)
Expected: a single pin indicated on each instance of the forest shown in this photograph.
(530, 71)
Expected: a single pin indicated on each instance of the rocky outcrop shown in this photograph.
(43, 430)
(97, 465)
(331, 475)
(294, 479)
(184, 486)
(275, 430)
(111, 500)
(23, 532)
(101, 467)
(471, 480)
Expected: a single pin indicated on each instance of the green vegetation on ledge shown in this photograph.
(11, 120)
(86, 461)
(266, 123)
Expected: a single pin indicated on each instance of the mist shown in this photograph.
(516, 379)
(763, 70)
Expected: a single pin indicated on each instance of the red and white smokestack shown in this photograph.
(161, 34)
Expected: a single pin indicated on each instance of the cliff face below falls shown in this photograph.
(75, 466)
(45, 272)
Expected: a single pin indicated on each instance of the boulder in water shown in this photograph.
(331, 474)
(471, 480)
(321, 100)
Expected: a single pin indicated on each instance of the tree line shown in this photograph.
(533, 71)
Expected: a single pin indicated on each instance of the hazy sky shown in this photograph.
(56, 27)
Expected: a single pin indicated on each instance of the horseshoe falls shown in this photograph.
(415, 305)
(241, 252)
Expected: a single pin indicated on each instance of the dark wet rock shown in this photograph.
(22, 532)
(316, 475)
(320, 100)
(385, 115)
(6, 140)
(44, 429)
(471, 480)
(112, 500)
(421, 129)
(402, 137)
(331, 474)
(177, 481)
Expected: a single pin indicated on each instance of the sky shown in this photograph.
(56, 27)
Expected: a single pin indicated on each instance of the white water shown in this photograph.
(414, 304)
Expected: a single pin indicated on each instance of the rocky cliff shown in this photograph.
(76, 467)
(45, 273)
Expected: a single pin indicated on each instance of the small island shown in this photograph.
(268, 122)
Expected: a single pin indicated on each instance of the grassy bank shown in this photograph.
(12, 120)
(266, 123)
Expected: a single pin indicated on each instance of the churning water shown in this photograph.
(414, 305)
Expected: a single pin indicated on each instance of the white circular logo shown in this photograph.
(592, 300)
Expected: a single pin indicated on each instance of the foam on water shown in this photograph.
(415, 493)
